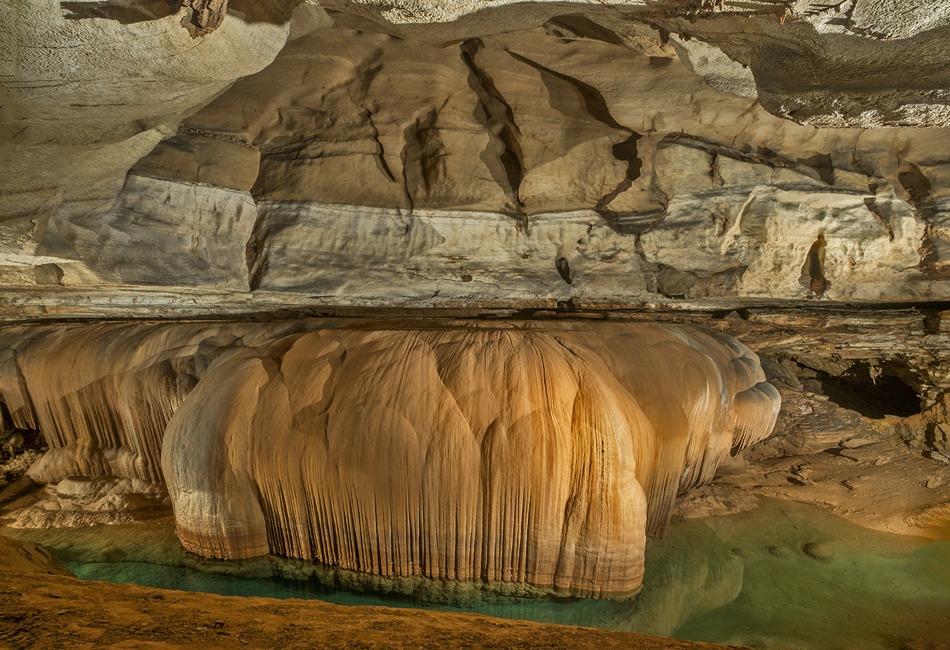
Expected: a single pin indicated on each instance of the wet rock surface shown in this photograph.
(538, 436)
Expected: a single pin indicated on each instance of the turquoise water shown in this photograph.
(782, 576)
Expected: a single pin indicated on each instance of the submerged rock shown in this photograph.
(781, 551)
(819, 551)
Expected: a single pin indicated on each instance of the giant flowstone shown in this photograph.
(532, 457)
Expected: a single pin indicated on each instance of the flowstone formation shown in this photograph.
(771, 169)
(528, 455)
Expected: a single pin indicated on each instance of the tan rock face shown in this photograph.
(25, 557)
(102, 395)
(535, 455)
(451, 154)
(516, 165)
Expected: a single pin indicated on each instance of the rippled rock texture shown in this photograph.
(423, 153)
(536, 455)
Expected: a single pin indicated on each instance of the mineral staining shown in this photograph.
(537, 455)
(517, 156)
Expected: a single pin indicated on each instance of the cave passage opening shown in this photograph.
(873, 391)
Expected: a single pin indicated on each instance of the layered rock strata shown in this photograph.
(453, 154)
(528, 454)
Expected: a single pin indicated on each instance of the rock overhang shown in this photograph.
(470, 153)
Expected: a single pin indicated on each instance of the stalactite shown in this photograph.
(102, 395)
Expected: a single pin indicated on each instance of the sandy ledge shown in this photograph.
(52, 611)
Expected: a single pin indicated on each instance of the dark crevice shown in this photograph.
(257, 266)
(915, 183)
(497, 117)
(569, 305)
(759, 156)
(918, 187)
(564, 269)
(715, 174)
(14, 442)
(875, 209)
(933, 322)
(593, 101)
(625, 151)
(595, 106)
(420, 142)
(431, 150)
(274, 12)
(380, 150)
(813, 270)
(255, 256)
(125, 12)
(821, 163)
(838, 452)
(580, 26)
(874, 392)
(741, 313)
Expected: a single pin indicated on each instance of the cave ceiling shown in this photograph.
(472, 154)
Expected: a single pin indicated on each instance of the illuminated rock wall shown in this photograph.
(534, 455)
(445, 154)
(538, 455)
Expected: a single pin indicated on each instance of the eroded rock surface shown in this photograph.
(456, 154)
(864, 402)
(26, 557)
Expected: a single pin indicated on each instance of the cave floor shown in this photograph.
(44, 611)
(821, 454)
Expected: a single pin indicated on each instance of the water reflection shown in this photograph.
(784, 575)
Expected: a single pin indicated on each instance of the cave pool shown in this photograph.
(784, 575)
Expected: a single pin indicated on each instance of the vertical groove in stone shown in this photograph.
(537, 454)
(498, 455)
